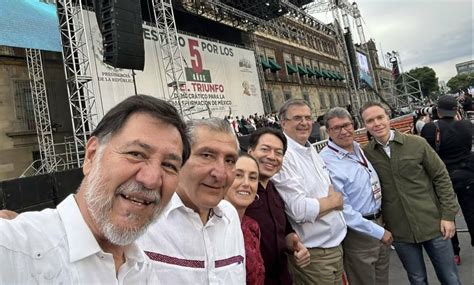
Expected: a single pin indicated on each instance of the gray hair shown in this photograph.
(336, 112)
(212, 124)
(288, 104)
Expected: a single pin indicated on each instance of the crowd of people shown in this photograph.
(164, 202)
(245, 126)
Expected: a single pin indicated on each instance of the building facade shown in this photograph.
(18, 137)
(465, 67)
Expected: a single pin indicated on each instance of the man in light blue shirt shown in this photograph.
(366, 251)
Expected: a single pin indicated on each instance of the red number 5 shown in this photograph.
(196, 61)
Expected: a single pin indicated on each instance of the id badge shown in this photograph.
(376, 188)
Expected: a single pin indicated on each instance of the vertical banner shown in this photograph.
(220, 79)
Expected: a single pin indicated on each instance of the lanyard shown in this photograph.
(363, 162)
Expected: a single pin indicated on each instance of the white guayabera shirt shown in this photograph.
(184, 251)
(55, 246)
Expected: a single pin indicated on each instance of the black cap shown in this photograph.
(447, 106)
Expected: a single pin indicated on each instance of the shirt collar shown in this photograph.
(176, 203)
(81, 241)
(294, 144)
(341, 153)
(392, 136)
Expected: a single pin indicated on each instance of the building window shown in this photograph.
(287, 95)
(24, 105)
(306, 98)
(270, 101)
(332, 100)
(322, 101)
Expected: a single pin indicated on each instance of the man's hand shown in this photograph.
(300, 252)
(7, 214)
(387, 238)
(333, 201)
(448, 228)
(335, 198)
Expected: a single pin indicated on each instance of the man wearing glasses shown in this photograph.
(366, 246)
(312, 205)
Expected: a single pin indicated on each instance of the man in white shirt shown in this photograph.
(130, 168)
(198, 239)
(312, 205)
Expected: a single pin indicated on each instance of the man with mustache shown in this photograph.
(198, 239)
(312, 205)
(268, 146)
(130, 168)
(366, 245)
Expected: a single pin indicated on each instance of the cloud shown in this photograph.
(434, 33)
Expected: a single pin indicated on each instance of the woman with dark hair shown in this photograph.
(241, 194)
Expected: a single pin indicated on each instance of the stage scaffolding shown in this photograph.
(41, 110)
(78, 77)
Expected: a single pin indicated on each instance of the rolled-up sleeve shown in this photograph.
(298, 206)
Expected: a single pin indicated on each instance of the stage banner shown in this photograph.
(220, 79)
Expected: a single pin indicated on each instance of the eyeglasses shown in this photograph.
(300, 119)
(338, 129)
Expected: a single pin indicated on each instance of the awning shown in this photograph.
(291, 68)
(264, 63)
(318, 73)
(326, 74)
(333, 75)
(311, 72)
(274, 66)
(302, 70)
(340, 76)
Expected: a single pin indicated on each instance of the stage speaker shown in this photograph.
(26, 193)
(122, 33)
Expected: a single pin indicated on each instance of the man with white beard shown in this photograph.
(130, 168)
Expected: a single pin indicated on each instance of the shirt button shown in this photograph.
(38, 255)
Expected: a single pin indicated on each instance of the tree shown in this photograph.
(461, 82)
(428, 80)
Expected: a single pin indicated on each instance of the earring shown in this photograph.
(257, 197)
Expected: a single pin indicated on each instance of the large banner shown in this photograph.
(220, 79)
(29, 24)
(364, 70)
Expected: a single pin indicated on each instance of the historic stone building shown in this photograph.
(18, 139)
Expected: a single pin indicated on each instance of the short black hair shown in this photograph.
(255, 137)
(116, 118)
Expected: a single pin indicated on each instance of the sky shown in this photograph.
(433, 33)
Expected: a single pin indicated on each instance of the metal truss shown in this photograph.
(172, 57)
(221, 12)
(41, 110)
(77, 70)
(351, 81)
(405, 92)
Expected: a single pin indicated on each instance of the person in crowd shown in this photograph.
(241, 194)
(315, 135)
(466, 102)
(312, 205)
(452, 140)
(323, 135)
(367, 244)
(418, 201)
(130, 168)
(268, 146)
(198, 239)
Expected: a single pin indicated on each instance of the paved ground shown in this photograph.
(466, 269)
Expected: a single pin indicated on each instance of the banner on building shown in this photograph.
(220, 79)
(364, 70)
